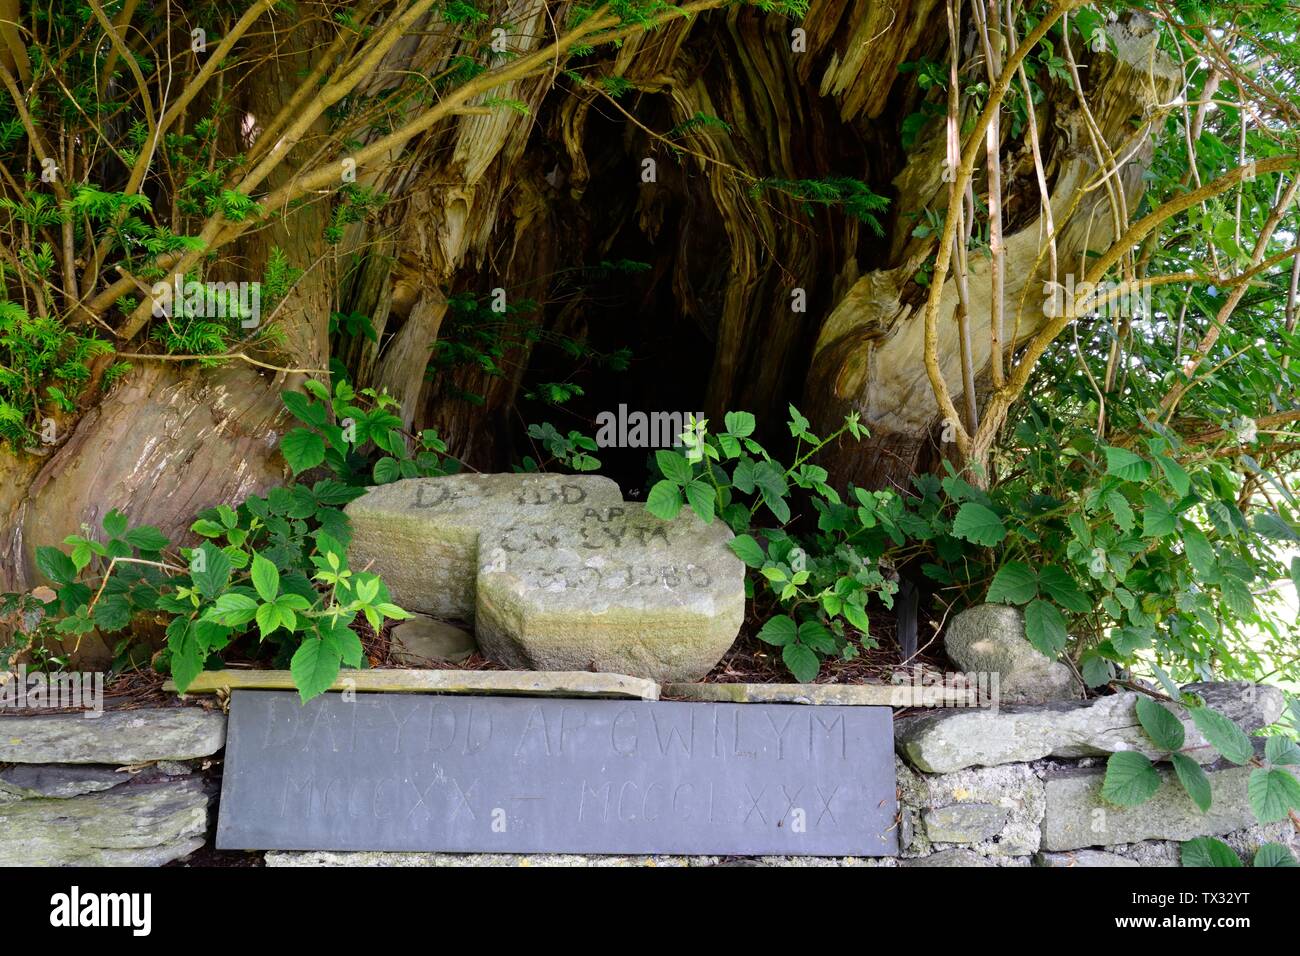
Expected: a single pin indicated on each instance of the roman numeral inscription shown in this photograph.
(519, 775)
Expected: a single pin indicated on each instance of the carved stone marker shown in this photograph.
(610, 588)
(480, 774)
(421, 534)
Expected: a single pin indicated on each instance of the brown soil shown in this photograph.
(748, 661)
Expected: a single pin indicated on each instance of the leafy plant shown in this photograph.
(1208, 851)
(813, 587)
(358, 437)
(1273, 791)
(855, 197)
(1115, 553)
(573, 450)
(273, 571)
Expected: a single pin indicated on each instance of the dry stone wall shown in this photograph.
(126, 788)
(104, 810)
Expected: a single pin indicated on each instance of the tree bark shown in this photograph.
(511, 198)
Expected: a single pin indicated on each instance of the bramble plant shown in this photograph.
(275, 568)
(1115, 552)
(344, 430)
(819, 582)
(1208, 851)
(573, 450)
(1272, 791)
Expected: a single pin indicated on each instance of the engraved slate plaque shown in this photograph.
(516, 775)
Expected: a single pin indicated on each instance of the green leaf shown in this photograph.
(857, 617)
(314, 668)
(1237, 597)
(700, 495)
(292, 602)
(146, 538)
(187, 656)
(798, 424)
(748, 550)
(1096, 669)
(266, 578)
(112, 612)
(1223, 735)
(1167, 682)
(1193, 779)
(978, 524)
(1045, 627)
(1124, 464)
(1061, 588)
(214, 577)
(1273, 793)
(210, 636)
(780, 630)
(743, 476)
(1015, 583)
(268, 619)
(302, 449)
(1175, 475)
(664, 500)
(114, 524)
(342, 640)
(1130, 779)
(1271, 525)
(771, 483)
(1282, 751)
(367, 588)
(1119, 507)
(1207, 851)
(387, 470)
(82, 551)
(1157, 520)
(232, 610)
(802, 662)
(304, 409)
(1274, 854)
(674, 466)
(1161, 724)
(739, 424)
(815, 635)
(55, 565)
(1199, 552)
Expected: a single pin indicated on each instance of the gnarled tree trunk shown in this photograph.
(513, 197)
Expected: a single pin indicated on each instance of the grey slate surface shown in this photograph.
(507, 775)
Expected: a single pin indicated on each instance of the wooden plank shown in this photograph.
(518, 683)
(859, 695)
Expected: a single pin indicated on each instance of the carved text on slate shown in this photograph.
(518, 775)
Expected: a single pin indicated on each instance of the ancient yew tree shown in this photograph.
(984, 229)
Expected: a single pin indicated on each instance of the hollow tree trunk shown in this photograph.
(510, 198)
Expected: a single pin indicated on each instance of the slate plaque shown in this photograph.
(519, 775)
